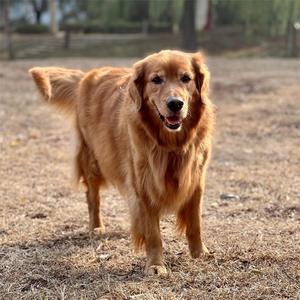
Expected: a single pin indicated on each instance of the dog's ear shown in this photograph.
(202, 75)
(136, 84)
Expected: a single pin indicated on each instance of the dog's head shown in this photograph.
(169, 88)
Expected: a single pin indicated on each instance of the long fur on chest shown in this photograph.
(168, 178)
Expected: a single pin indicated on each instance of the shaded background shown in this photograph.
(134, 28)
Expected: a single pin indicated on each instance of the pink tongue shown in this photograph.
(173, 120)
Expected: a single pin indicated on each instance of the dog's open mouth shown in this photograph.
(171, 122)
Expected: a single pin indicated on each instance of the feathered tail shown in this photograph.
(58, 86)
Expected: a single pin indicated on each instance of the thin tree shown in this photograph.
(39, 7)
(291, 31)
(53, 15)
(188, 26)
(7, 29)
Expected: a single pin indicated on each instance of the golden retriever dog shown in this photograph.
(147, 131)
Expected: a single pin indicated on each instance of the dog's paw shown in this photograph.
(199, 252)
(157, 270)
(98, 231)
(205, 250)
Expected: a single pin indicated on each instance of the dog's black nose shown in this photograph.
(174, 104)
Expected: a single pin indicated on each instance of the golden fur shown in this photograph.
(121, 122)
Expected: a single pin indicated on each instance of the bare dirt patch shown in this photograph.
(46, 252)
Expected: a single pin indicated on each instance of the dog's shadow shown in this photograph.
(71, 257)
(79, 239)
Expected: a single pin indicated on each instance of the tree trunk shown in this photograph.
(292, 40)
(38, 15)
(39, 6)
(188, 26)
(291, 32)
(7, 30)
(53, 14)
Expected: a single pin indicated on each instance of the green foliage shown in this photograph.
(72, 9)
(110, 11)
(253, 17)
(104, 10)
(160, 9)
(119, 26)
(32, 28)
(167, 11)
(268, 17)
(154, 11)
(263, 17)
(177, 7)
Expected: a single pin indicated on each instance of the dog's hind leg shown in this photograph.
(88, 169)
(93, 201)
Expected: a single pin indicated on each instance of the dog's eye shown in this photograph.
(157, 80)
(185, 78)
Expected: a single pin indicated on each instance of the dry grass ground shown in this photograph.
(45, 250)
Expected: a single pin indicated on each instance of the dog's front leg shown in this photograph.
(153, 244)
(190, 218)
(146, 230)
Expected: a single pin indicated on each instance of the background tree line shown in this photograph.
(252, 18)
(268, 17)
